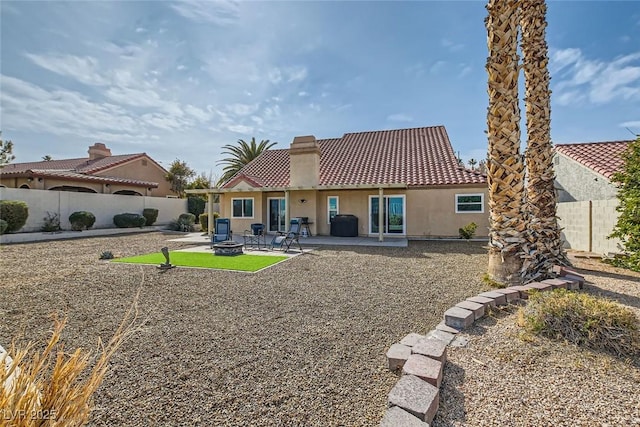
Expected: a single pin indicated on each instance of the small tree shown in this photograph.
(178, 176)
(472, 163)
(627, 228)
(6, 152)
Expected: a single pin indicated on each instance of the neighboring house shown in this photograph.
(101, 172)
(405, 182)
(583, 171)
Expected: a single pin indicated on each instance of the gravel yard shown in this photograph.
(301, 343)
(500, 380)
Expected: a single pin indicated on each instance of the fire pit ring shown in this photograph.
(227, 248)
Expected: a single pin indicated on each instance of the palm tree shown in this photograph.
(240, 156)
(544, 247)
(505, 170)
(473, 163)
(47, 158)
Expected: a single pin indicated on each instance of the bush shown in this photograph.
(204, 220)
(184, 222)
(51, 222)
(596, 323)
(129, 220)
(3, 226)
(82, 220)
(195, 206)
(468, 230)
(150, 214)
(106, 255)
(15, 213)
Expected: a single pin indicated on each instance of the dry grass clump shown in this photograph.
(581, 319)
(54, 387)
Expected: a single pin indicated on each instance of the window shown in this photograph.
(333, 205)
(242, 208)
(470, 203)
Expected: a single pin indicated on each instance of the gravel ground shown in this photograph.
(501, 380)
(301, 343)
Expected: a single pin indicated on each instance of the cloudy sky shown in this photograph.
(182, 79)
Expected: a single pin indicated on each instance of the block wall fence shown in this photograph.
(103, 206)
(587, 224)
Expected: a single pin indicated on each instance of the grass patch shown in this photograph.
(242, 262)
(581, 319)
(487, 280)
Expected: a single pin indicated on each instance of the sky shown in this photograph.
(179, 80)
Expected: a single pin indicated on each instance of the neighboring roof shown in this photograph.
(415, 157)
(82, 169)
(601, 157)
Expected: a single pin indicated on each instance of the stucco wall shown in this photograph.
(587, 224)
(575, 182)
(143, 170)
(103, 206)
(429, 212)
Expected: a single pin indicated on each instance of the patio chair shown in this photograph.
(284, 240)
(222, 231)
(255, 236)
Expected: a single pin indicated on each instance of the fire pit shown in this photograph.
(227, 248)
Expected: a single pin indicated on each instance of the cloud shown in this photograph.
(209, 12)
(632, 124)
(581, 79)
(451, 46)
(242, 109)
(296, 74)
(465, 70)
(81, 68)
(416, 70)
(400, 117)
(303, 93)
(240, 129)
(437, 66)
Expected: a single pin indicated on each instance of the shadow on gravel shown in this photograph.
(609, 275)
(451, 411)
(624, 299)
(418, 249)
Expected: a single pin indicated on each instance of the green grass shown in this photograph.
(207, 260)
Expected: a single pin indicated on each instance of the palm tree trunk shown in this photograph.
(544, 245)
(505, 170)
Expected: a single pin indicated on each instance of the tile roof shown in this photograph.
(78, 169)
(601, 157)
(416, 157)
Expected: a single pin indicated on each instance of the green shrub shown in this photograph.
(468, 230)
(184, 222)
(195, 206)
(3, 226)
(106, 255)
(15, 213)
(582, 319)
(51, 222)
(204, 220)
(129, 220)
(82, 220)
(150, 214)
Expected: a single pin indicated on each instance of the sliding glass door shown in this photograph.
(393, 214)
(277, 214)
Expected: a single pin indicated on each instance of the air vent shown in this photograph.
(144, 162)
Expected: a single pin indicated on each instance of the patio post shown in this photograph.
(286, 210)
(380, 215)
(210, 213)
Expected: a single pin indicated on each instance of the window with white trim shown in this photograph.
(242, 208)
(333, 207)
(470, 203)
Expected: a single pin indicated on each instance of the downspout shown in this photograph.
(380, 215)
(210, 213)
(590, 225)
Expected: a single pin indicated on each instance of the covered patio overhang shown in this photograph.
(210, 192)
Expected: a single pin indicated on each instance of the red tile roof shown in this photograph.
(601, 157)
(77, 169)
(416, 157)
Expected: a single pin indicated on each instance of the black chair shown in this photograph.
(284, 241)
(222, 231)
(255, 237)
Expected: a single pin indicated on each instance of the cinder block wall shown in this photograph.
(584, 234)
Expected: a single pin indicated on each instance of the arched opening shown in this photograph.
(73, 189)
(25, 186)
(127, 193)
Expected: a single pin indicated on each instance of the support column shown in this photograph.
(380, 215)
(286, 210)
(210, 213)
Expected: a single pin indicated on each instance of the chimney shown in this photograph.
(304, 162)
(98, 151)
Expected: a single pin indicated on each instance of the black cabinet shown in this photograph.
(344, 226)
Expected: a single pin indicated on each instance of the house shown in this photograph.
(405, 183)
(101, 172)
(584, 171)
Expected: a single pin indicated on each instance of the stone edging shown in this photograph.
(414, 400)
